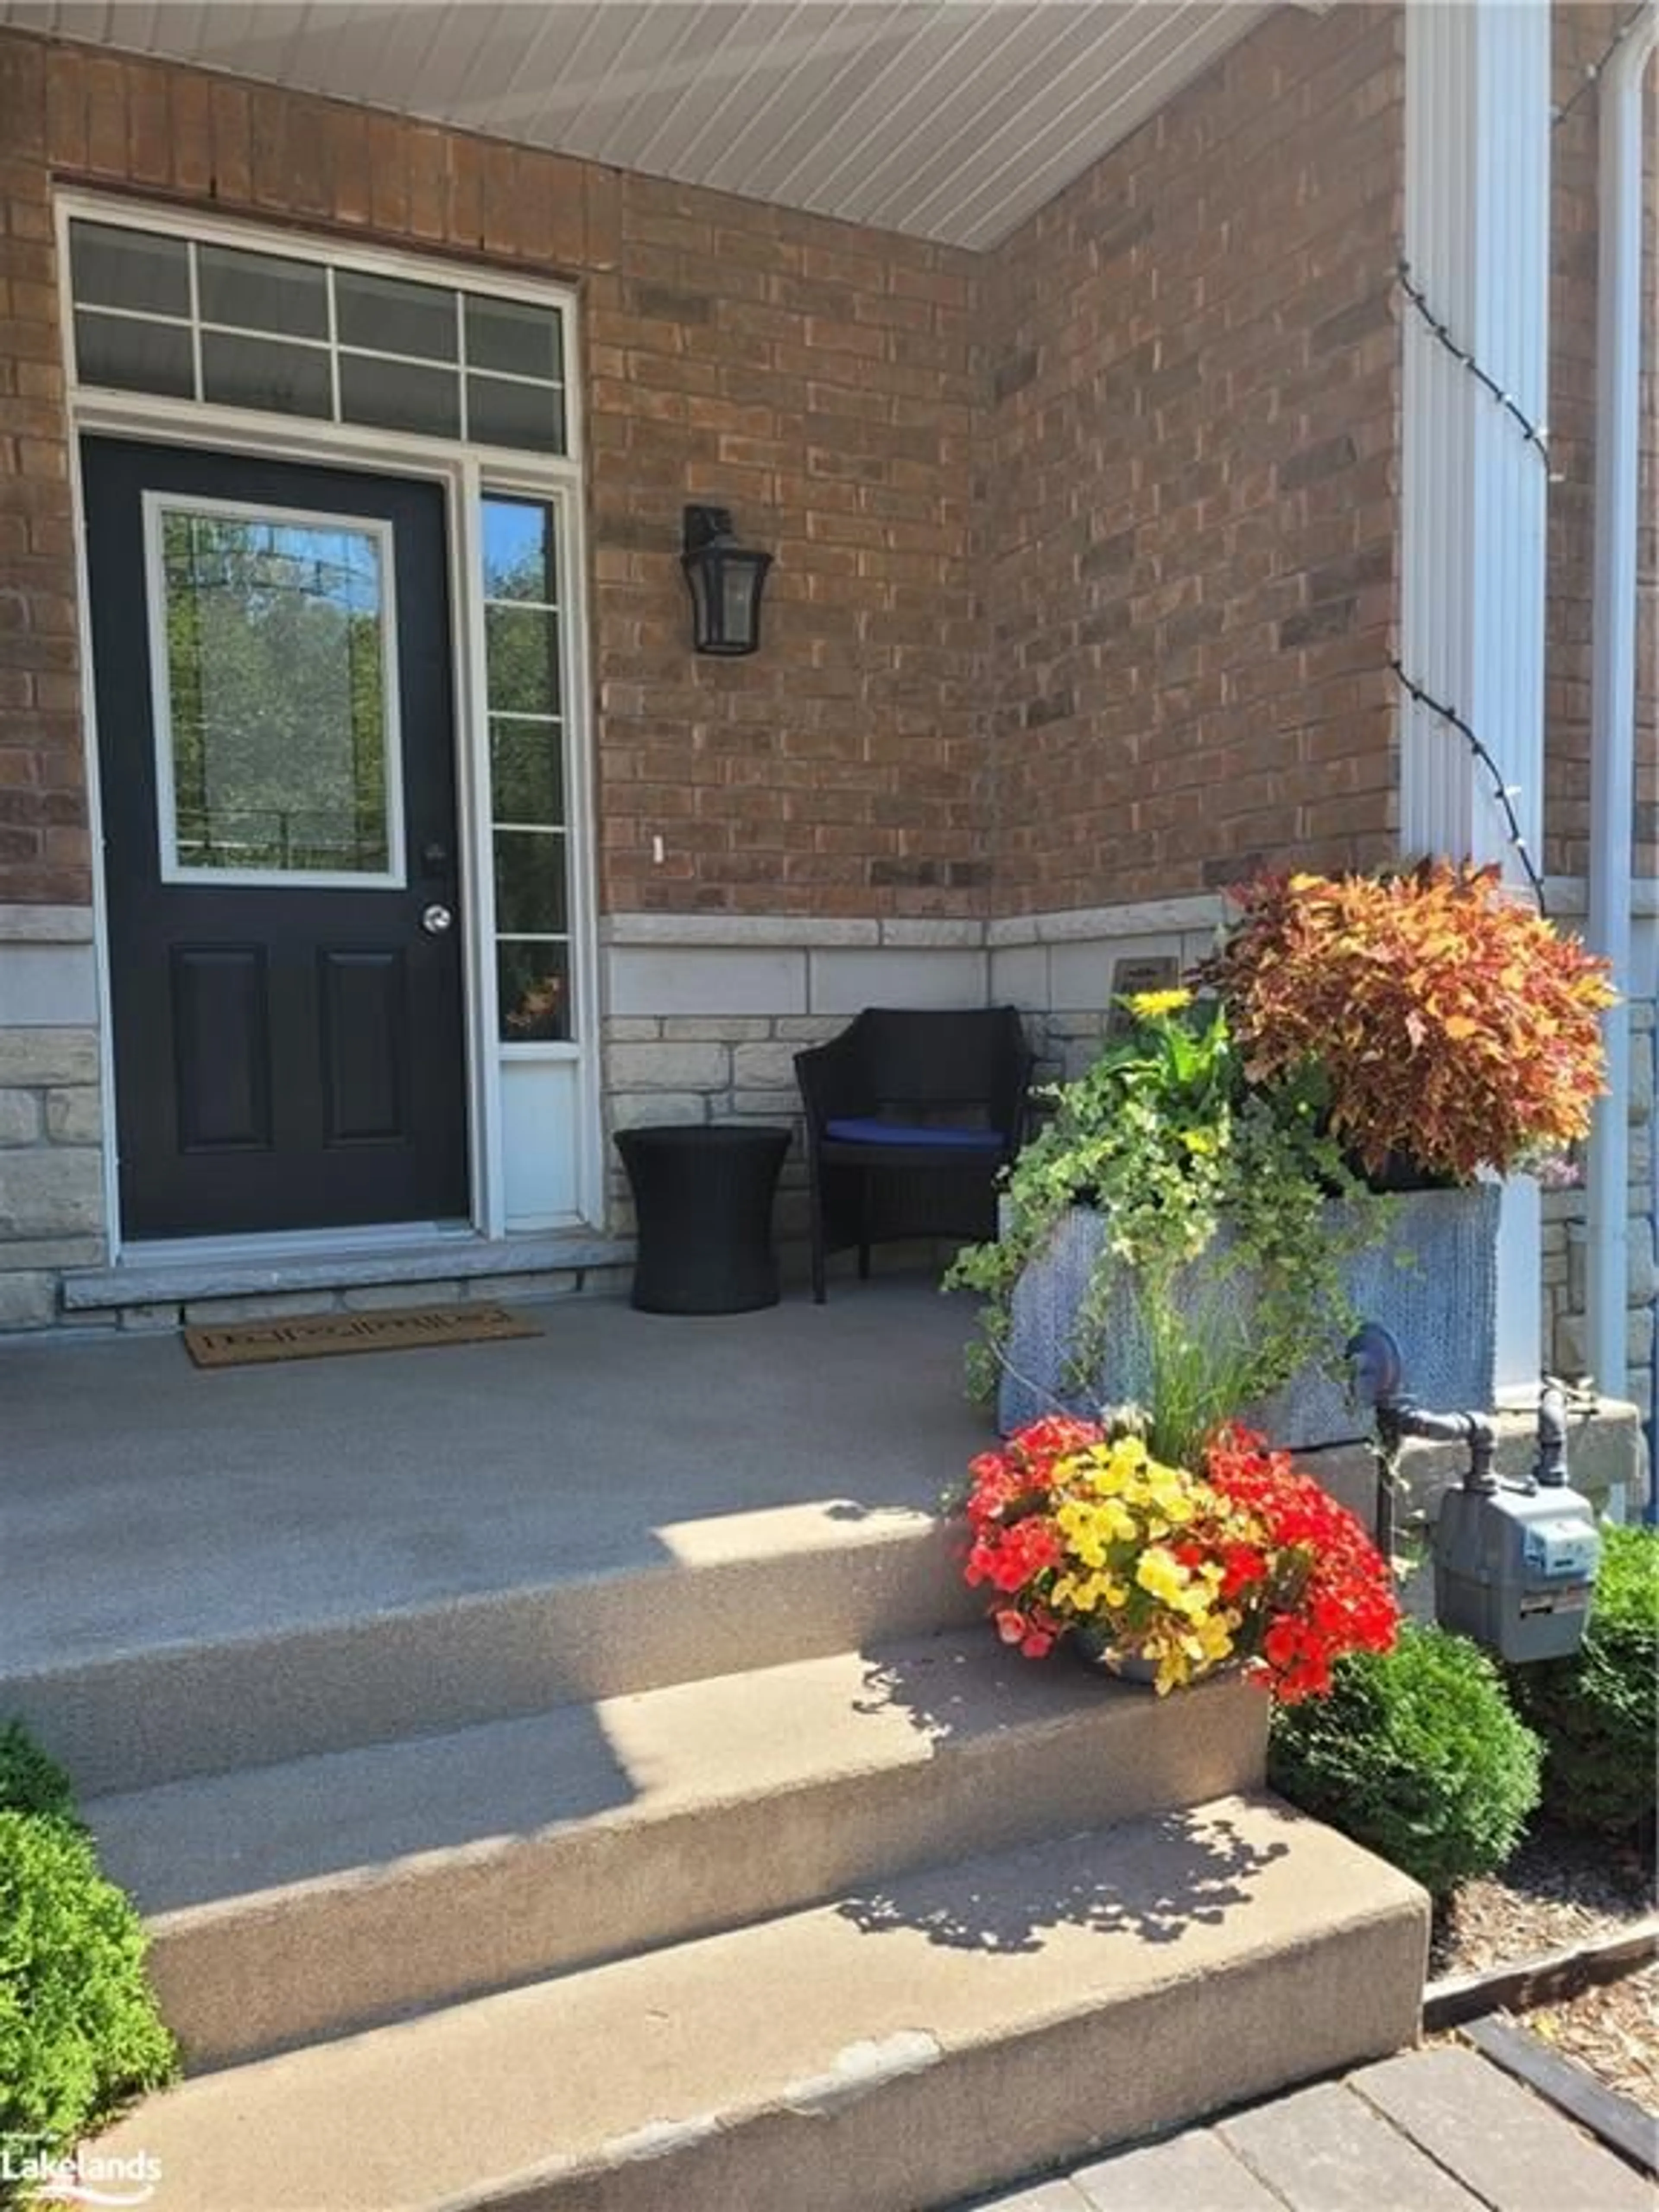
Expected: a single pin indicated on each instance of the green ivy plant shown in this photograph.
(1165, 1139)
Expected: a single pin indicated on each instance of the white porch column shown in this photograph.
(1473, 488)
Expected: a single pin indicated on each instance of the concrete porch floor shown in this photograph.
(145, 1502)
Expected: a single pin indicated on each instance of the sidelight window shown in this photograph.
(524, 679)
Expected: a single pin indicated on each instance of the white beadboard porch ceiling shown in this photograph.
(951, 119)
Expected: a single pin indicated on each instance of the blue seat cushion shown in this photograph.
(868, 1129)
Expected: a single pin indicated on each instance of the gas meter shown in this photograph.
(1514, 1562)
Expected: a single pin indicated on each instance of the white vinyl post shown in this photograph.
(1473, 488)
(1613, 695)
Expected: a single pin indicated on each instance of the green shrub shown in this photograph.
(1598, 1712)
(79, 2031)
(29, 1781)
(1417, 1754)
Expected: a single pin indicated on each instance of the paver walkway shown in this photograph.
(1434, 2130)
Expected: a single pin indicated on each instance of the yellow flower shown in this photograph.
(1088, 1529)
(1105, 1478)
(1161, 1574)
(1148, 1004)
(1211, 1640)
(1083, 1540)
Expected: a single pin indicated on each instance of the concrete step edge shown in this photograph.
(794, 1583)
(918, 2040)
(930, 1751)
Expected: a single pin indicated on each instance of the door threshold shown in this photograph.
(203, 1270)
(277, 1244)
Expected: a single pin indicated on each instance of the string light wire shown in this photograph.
(1593, 71)
(1535, 436)
(1533, 433)
(1505, 793)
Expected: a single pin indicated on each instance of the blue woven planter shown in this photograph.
(1430, 1279)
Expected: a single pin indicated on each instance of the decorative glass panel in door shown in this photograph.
(276, 726)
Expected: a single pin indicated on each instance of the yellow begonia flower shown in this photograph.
(1161, 1575)
(1210, 1641)
(1089, 1529)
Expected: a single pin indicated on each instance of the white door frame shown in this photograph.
(466, 473)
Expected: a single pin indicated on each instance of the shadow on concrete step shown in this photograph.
(1172, 1872)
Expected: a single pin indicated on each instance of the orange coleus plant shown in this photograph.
(1435, 1017)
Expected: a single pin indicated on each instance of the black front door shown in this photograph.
(272, 667)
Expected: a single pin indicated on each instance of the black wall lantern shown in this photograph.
(725, 580)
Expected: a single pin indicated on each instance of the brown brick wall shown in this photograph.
(1085, 548)
(819, 378)
(824, 382)
(1581, 37)
(44, 855)
(1193, 506)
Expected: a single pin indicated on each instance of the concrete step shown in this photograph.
(918, 2039)
(732, 1591)
(295, 1902)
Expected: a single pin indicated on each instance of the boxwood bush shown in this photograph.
(1417, 1754)
(29, 1781)
(79, 2029)
(1598, 1712)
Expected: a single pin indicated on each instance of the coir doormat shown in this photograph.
(325, 1335)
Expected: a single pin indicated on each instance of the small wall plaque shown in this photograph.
(1154, 971)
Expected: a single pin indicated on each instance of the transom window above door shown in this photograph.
(290, 334)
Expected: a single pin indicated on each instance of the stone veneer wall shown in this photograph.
(51, 1160)
(707, 1030)
(1564, 1237)
(707, 1016)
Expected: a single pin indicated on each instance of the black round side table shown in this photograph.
(703, 1194)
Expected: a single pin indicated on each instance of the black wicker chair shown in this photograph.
(910, 1115)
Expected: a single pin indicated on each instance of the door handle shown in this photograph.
(436, 919)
